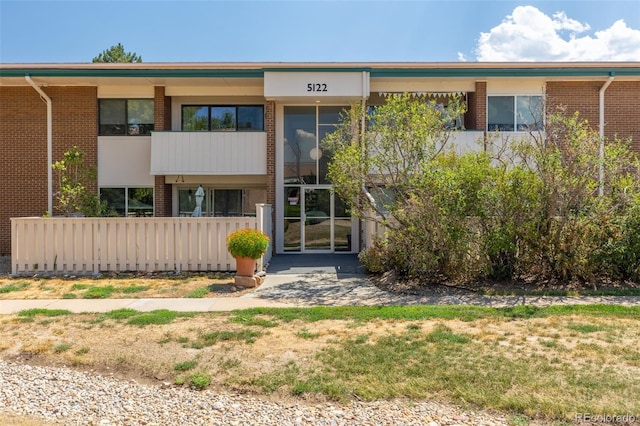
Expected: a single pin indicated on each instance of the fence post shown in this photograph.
(263, 223)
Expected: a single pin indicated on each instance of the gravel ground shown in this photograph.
(64, 396)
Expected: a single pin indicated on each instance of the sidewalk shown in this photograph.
(306, 281)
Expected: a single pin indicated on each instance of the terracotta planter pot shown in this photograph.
(246, 266)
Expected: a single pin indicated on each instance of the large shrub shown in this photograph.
(548, 206)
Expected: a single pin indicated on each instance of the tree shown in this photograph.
(117, 54)
(386, 158)
(74, 179)
(517, 209)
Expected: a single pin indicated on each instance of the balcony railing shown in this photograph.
(208, 153)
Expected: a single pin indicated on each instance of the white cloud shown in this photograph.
(530, 35)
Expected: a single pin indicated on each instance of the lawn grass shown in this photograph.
(448, 312)
(547, 364)
(10, 288)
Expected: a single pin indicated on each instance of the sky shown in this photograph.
(57, 31)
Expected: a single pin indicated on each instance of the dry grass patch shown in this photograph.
(122, 286)
(547, 368)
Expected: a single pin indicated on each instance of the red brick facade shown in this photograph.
(476, 116)
(270, 128)
(23, 144)
(622, 105)
(162, 121)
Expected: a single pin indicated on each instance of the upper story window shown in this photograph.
(514, 113)
(204, 118)
(131, 117)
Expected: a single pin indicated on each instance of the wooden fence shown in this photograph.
(83, 245)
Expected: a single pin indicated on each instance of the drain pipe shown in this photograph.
(612, 76)
(47, 100)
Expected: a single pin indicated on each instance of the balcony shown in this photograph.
(466, 141)
(208, 153)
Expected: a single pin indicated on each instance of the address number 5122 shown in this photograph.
(316, 87)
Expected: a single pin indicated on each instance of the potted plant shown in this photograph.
(247, 245)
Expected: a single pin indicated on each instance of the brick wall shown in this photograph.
(622, 111)
(270, 128)
(481, 105)
(575, 96)
(162, 121)
(23, 144)
(622, 105)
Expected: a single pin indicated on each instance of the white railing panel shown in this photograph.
(208, 153)
(467, 141)
(84, 245)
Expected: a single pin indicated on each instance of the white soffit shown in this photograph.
(516, 86)
(207, 90)
(423, 86)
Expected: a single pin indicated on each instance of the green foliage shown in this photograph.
(9, 288)
(511, 210)
(251, 320)
(74, 180)
(62, 347)
(30, 313)
(198, 293)
(247, 242)
(117, 54)
(186, 365)
(102, 292)
(135, 289)
(246, 336)
(374, 257)
(199, 380)
(161, 316)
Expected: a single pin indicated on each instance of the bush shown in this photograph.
(373, 258)
(518, 209)
(199, 380)
(247, 242)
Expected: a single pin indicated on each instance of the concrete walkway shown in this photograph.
(305, 281)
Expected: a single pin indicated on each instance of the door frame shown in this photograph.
(280, 196)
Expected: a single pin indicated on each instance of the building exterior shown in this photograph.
(161, 135)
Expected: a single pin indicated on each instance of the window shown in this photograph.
(305, 159)
(128, 201)
(222, 118)
(221, 202)
(514, 113)
(132, 117)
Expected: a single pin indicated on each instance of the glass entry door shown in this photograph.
(316, 220)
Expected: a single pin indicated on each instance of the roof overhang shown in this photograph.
(233, 74)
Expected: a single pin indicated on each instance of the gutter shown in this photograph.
(612, 76)
(47, 100)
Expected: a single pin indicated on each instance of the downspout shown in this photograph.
(47, 100)
(612, 75)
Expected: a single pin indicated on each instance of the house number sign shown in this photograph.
(316, 87)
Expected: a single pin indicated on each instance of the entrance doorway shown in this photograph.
(312, 219)
(316, 220)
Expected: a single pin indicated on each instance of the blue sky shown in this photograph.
(321, 31)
